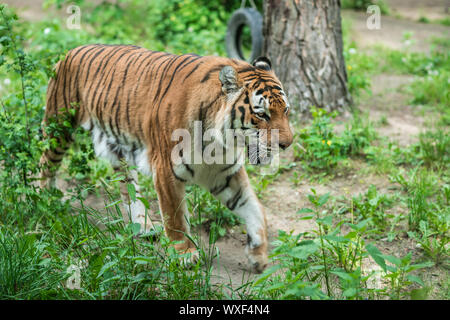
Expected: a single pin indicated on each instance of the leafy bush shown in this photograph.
(320, 148)
(372, 206)
(433, 147)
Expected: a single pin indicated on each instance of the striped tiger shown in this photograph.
(132, 99)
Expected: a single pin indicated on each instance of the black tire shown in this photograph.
(240, 18)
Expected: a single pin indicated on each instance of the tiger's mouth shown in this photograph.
(260, 154)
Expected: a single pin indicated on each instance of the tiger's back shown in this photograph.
(134, 95)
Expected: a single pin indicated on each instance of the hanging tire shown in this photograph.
(239, 19)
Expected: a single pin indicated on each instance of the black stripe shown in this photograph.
(80, 67)
(189, 169)
(154, 64)
(217, 190)
(228, 167)
(231, 203)
(101, 82)
(127, 108)
(94, 56)
(197, 57)
(233, 116)
(144, 70)
(157, 106)
(248, 69)
(119, 87)
(163, 76)
(243, 203)
(192, 71)
(173, 75)
(73, 55)
(242, 110)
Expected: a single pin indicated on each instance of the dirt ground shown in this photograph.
(282, 199)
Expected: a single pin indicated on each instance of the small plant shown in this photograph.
(318, 147)
(306, 263)
(434, 245)
(433, 147)
(358, 135)
(398, 272)
(209, 212)
(372, 206)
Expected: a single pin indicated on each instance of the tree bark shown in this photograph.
(303, 39)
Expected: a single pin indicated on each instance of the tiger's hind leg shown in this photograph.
(51, 160)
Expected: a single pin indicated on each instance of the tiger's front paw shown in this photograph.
(189, 256)
(258, 263)
(257, 258)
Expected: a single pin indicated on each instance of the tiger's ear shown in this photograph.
(229, 79)
(262, 63)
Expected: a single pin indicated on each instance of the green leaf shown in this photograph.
(394, 260)
(343, 275)
(113, 204)
(328, 221)
(131, 191)
(307, 217)
(145, 202)
(350, 292)
(419, 294)
(420, 266)
(335, 238)
(415, 279)
(276, 286)
(323, 199)
(305, 210)
(376, 256)
(135, 228)
(142, 259)
(106, 267)
(267, 273)
(303, 250)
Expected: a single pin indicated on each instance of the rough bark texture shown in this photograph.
(303, 38)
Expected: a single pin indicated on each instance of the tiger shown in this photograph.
(131, 99)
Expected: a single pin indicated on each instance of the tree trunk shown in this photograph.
(303, 39)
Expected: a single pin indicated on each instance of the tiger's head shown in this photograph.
(259, 107)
